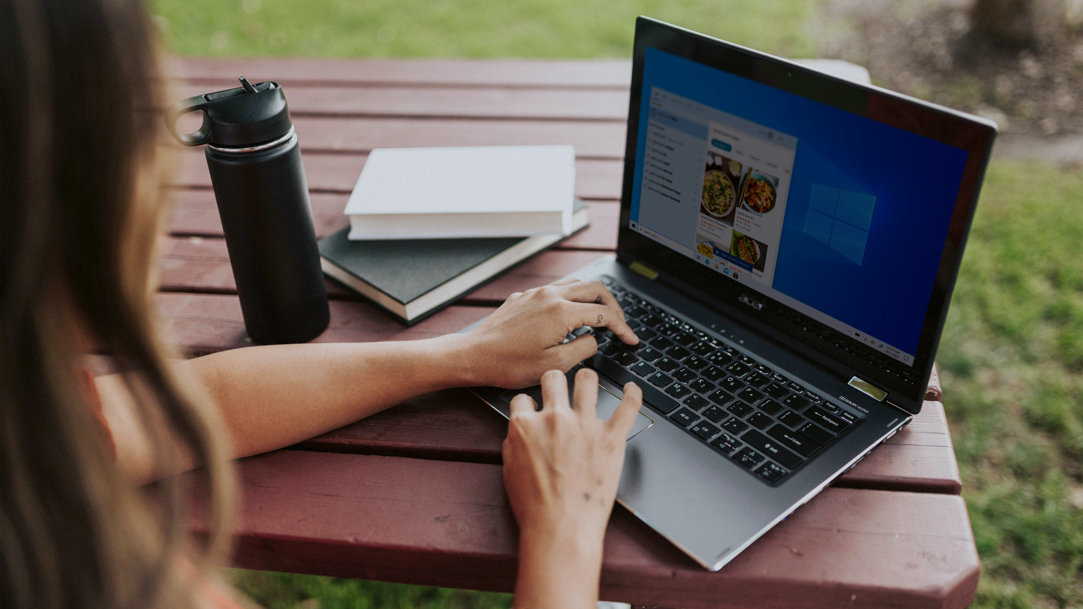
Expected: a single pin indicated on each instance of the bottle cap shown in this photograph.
(235, 118)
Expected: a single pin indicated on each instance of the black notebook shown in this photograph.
(414, 278)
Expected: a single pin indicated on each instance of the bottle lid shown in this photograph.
(246, 116)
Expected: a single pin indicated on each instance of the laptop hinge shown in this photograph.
(868, 389)
(644, 270)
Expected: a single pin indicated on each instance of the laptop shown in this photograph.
(787, 248)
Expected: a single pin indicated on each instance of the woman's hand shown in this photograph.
(522, 339)
(561, 470)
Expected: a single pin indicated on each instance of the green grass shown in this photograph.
(1011, 363)
(465, 28)
(1011, 357)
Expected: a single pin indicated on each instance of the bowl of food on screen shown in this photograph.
(719, 195)
(746, 249)
(760, 194)
(706, 248)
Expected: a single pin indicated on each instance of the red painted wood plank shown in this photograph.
(337, 173)
(498, 103)
(204, 323)
(917, 461)
(603, 140)
(448, 523)
(195, 213)
(201, 265)
(591, 74)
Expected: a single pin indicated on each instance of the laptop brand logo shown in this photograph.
(755, 304)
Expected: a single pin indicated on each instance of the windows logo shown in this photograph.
(841, 219)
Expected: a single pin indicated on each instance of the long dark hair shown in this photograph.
(80, 196)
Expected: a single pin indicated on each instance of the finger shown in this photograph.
(554, 390)
(522, 404)
(592, 291)
(625, 415)
(569, 354)
(586, 394)
(599, 315)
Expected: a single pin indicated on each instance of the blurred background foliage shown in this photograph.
(1011, 358)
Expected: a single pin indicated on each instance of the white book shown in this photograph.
(467, 192)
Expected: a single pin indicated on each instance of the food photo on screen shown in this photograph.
(760, 192)
(749, 250)
(721, 181)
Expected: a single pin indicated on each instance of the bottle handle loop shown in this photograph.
(184, 106)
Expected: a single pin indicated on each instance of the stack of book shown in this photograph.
(428, 225)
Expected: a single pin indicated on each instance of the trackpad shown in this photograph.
(609, 397)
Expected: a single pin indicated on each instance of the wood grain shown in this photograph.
(206, 323)
(592, 74)
(409, 101)
(337, 173)
(353, 516)
(195, 213)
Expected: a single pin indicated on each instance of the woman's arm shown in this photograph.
(562, 467)
(274, 396)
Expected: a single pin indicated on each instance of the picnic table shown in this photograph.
(414, 494)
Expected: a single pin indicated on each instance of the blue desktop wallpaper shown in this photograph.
(898, 188)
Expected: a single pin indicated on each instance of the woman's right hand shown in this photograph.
(562, 466)
(525, 336)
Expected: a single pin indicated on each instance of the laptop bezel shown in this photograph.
(973, 134)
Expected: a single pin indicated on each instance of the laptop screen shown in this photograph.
(838, 216)
(828, 215)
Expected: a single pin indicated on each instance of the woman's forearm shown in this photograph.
(277, 395)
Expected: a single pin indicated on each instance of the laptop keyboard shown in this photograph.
(723, 397)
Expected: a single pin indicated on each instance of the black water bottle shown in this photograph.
(259, 183)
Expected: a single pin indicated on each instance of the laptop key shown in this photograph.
(685, 339)
(734, 425)
(678, 390)
(731, 384)
(756, 379)
(726, 443)
(705, 430)
(796, 402)
(738, 369)
(790, 419)
(702, 349)
(661, 343)
(649, 354)
(712, 373)
(815, 434)
(771, 448)
(827, 421)
(713, 413)
(771, 407)
(625, 358)
(684, 417)
(794, 440)
(748, 458)
(795, 387)
(720, 397)
(646, 334)
(701, 386)
(778, 378)
(775, 390)
(739, 409)
(759, 420)
(749, 395)
(667, 365)
(659, 380)
(695, 362)
(642, 369)
(684, 375)
(746, 360)
(771, 472)
(697, 403)
(678, 352)
(719, 358)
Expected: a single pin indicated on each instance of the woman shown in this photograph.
(80, 186)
